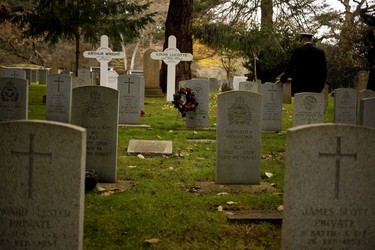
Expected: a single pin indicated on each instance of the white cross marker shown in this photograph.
(103, 55)
(171, 56)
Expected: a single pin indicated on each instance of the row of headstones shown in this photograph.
(30, 74)
(328, 195)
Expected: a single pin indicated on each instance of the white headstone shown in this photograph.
(199, 118)
(308, 108)
(59, 98)
(250, 86)
(171, 56)
(345, 106)
(130, 99)
(365, 93)
(103, 55)
(113, 79)
(329, 188)
(238, 137)
(236, 80)
(272, 106)
(42, 167)
(14, 99)
(83, 78)
(96, 109)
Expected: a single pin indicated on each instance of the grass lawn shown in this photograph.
(165, 202)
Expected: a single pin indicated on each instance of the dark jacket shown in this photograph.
(371, 79)
(307, 68)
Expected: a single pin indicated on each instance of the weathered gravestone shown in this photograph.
(329, 188)
(366, 93)
(96, 109)
(59, 98)
(250, 86)
(238, 138)
(272, 106)
(361, 80)
(151, 70)
(287, 92)
(366, 112)
(345, 106)
(150, 147)
(14, 99)
(236, 80)
(83, 78)
(308, 108)
(199, 118)
(103, 55)
(42, 168)
(171, 56)
(42, 75)
(15, 72)
(214, 85)
(130, 99)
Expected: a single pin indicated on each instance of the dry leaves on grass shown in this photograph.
(152, 241)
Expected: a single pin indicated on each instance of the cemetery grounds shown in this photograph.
(171, 202)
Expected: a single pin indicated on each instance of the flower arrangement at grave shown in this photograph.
(185, 100)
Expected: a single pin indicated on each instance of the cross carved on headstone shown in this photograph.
(31, 154)
(171, 56)
(58, 81)
(103, 55)
(128, 82)
(338, 155)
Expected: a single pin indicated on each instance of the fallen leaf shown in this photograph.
(100, 189)
(152, 241)
(132, 166)
(231, 202)
(222, 193)
(220, 208)
(171, 168)
(269, 175)
(280, 208)
(158, 136)
(195, 132)
(141, 156)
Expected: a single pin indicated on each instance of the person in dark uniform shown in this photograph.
(307, 67)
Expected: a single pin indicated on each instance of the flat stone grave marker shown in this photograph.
(171, 56)
(345, 106)
(15, 73)
(272, 106)
(199, 118)
(130, 99)
(236, 80)
(366, 113)
(238, 137)
(96, 109)
(14, 99)
(150, 147)
(250, 86)
(308, 108)
(42, 168)
(59, 98)
(103, 55)
(329, 188)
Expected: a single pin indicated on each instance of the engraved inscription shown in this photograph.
(239, 113)
(95, 107)
(9, 93)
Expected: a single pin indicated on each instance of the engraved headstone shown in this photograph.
(199, 118)
(366, 93)
(236, 80)
(345, 106)
(250, 86)
(96, 109)
(42, 75)
(272, 106)
(59, 98)
(238, 137)
(130, 99)
(214, 85)
(366, 113)
(150, 147)
(171, 56)
(361, 80)
(308, 108)
(42, 168)
(14, 99)
(287, 92)
(151, 70)
(15, 72)
(83, 78)
(103, 55)
(329, 188)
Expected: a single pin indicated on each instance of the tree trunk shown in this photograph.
(267, 13)
(178, 24)
(78, 52)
